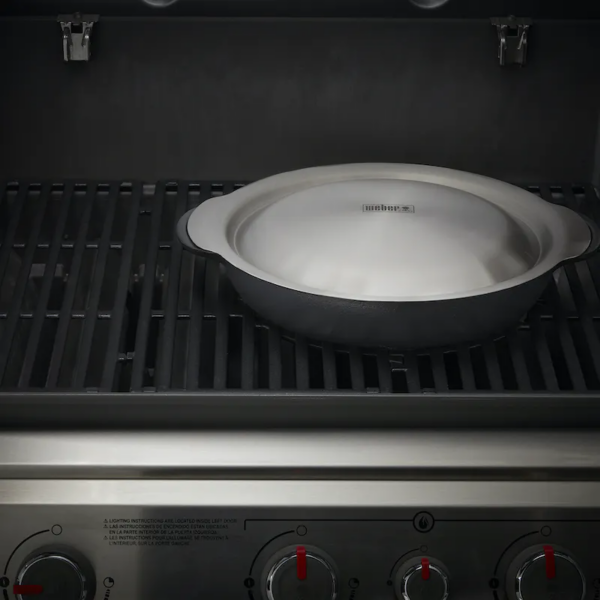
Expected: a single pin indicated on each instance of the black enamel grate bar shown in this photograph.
(97, 295)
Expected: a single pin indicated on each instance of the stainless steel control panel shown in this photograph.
(300, 516)
(104, 543)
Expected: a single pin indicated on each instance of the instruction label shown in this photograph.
(166, 532)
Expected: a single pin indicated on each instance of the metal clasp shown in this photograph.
(77, 36)
(513, 39)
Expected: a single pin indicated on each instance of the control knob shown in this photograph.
(422, 579)
(301, 573)
(546, 572)
(54, 576)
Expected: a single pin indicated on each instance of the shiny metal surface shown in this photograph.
(376, 232)
(541, 556)
(49, 556)
(184, 514)
(152, 540)
(522, 454)
(415, 570)
(338, 239)
(520, 497)
(275, 570)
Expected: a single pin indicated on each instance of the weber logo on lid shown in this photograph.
(394, 208)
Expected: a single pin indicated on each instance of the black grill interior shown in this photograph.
(97, 295)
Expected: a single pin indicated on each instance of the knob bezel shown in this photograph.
(541, 556)
(54, 556)
(414, 570)
(290, 555)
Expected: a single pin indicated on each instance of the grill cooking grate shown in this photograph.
(97, 295)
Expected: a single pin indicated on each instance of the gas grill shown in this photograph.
(157, 437)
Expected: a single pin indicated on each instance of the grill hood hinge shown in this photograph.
(513, 34)
(77, 36)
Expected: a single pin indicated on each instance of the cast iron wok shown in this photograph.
(404, 256)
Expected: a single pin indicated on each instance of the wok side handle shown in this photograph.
(594, 244)
(186, 241)
(595, 241)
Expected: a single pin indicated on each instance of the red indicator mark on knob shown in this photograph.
(28, 590)
(550, 562)
(301, 562)
(425, 569)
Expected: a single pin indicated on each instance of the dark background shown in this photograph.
(555, 9)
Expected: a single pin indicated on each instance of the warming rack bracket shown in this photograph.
(77, 36)
(513, 39)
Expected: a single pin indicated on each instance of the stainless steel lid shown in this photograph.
(388, 232)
